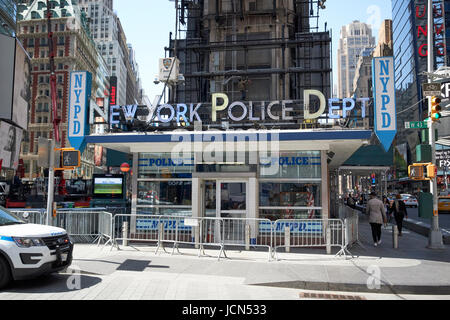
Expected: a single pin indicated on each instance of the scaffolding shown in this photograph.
(252, 50)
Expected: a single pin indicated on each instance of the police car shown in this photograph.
(29, 250)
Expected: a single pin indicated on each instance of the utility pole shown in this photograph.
(56, 118)
(435, 236)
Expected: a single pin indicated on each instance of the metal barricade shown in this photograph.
(84, 226)
(33, 216)
(352, 230)
(174, 230)
(211, 235)
(248, 233)
(307, 233)
(141, 229)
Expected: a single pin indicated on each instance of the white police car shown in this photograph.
(30, 250)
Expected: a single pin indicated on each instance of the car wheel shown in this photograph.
(5, 273)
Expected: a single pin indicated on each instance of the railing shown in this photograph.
(95, 225)
(34, 216)
(224, 233)
(82, 225)
(308, 233)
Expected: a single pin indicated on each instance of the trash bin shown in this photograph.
(425, 205)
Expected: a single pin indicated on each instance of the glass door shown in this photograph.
(232, 206)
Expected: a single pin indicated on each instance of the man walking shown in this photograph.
(377, 215)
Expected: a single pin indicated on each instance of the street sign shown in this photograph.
(79, 97)
(70, 159)
(416, 125)
(432, 89)
(385, 115)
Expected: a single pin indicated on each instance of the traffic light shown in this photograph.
(431, 171)
(70, 159)
(435, 109)
(416, 172)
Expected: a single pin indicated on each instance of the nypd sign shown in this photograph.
(79, 96)
(384, 100)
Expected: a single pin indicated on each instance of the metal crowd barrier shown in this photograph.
(94, 225)
(352, 229)
(308, 233)
(146, 229)
(33, 216)
(85, 226)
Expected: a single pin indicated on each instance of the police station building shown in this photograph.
(238, 159)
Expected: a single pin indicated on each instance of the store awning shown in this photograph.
(338, 143)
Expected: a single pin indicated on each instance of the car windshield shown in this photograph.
(8, 218)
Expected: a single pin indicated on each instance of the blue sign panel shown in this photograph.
(296, 227)
(79, 97)
(384, 100)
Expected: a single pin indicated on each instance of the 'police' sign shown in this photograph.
(79, 95)
(384, 98)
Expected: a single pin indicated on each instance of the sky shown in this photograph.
(147, 24)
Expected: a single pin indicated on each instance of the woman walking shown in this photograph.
(400, 213)
(377, 216)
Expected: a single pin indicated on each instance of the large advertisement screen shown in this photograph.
(15, 92)
(7, 48)
(22, 90)
(108, 186)
(10, 145)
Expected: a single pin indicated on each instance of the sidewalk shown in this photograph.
(411, 269)
(139, 273)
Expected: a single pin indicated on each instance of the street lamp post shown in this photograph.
(435, 237)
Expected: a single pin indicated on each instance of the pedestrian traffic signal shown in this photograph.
(70, 159)
(416, 172)
(431, 171)
(435, 109)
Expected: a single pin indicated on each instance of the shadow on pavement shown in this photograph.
(54, 283)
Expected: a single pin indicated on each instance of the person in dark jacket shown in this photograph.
(400, 212)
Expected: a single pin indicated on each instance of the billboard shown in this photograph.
(10, 145)
(15, 91)
(22, 87)
(7, 48)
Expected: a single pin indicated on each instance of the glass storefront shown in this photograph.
(289, 185)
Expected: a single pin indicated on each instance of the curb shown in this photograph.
(357, 288)
(424, 229)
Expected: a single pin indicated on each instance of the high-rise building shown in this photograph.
(355, 37)
(409, 24)
(110, 38)
(8, 13)
(74, 51)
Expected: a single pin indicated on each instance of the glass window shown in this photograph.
(276, 214)
(165, 193)
(278, 194)
(163, 165)
(305, 164)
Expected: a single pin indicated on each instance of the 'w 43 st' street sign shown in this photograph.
(416, 125)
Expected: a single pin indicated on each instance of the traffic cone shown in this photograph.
(209, 235)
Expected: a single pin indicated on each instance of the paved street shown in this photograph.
(444, 219)
(137, 273)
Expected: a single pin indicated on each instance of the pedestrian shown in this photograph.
(400, 213)
(377, 216)
(387, 206)
(351, 202)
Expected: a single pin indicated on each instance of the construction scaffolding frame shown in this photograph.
(251, 50)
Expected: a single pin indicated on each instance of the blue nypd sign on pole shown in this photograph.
(384, 100)
(79, 97)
